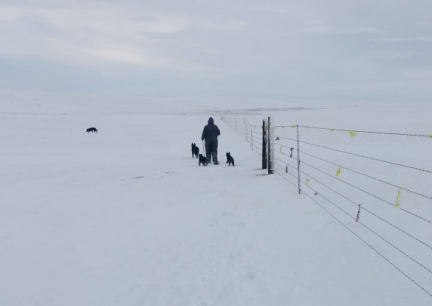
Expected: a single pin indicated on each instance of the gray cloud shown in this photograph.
(371, 50)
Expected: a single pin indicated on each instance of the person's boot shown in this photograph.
(215, 161)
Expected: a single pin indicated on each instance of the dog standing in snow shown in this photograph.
(195, 150)
(92, 129)
(202, 160)
(230, 159)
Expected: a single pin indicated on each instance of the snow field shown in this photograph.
(126, 217)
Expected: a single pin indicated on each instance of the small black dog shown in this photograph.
(92, 129)
(195, 150)
(230, 160)
(202, 160)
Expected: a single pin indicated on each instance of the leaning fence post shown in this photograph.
(264, 147)
(358, 213)
(298, 159)
(270, 145)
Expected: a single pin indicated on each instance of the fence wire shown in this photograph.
(368, 211)
(368, 176)
(293, 177)
(366, 132)
(367, 157)
(375, 196)
(368, 228)
(370, 246)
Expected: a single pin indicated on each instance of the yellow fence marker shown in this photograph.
(280, 149)
(430, 136)
(332, 131)
(351, 133)
(307, 181)
(337, 172)
(397, 203)
(293, 126)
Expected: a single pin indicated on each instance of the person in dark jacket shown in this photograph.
(210, 135)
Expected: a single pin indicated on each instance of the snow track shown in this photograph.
(126, 217)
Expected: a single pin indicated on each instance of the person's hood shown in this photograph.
(210, 121)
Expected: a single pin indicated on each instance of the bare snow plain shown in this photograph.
(126, 216)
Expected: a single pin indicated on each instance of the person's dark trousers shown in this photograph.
(211, 149)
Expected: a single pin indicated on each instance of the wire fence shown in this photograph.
(383, 198)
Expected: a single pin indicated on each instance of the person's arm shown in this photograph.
(218, 131)
(204, 133)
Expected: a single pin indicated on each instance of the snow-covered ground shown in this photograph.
(126, 216)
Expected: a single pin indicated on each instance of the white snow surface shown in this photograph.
(126, 216)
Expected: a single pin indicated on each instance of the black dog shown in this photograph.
(195, 150)
(202, 160)
(230, 160)
(92, 129)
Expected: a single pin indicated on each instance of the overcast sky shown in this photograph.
(365, 50)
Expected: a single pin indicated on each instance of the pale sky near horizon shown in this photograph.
(361, 50)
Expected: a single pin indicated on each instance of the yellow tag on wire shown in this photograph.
(337, 172)
(351, 133)
(332, 131)
(293, 126)
(307, 181)
(397, 203)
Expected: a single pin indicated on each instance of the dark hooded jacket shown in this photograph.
(210, 132)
